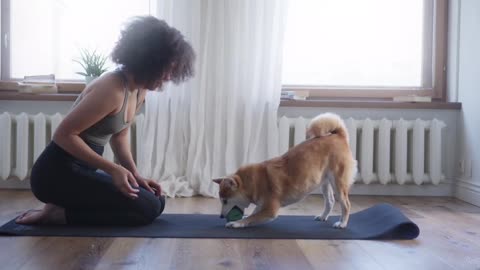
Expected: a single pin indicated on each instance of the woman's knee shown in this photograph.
(161, 200)
(150, 206)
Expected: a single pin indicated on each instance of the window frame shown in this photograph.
(436, 19)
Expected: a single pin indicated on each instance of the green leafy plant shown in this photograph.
(93, 63)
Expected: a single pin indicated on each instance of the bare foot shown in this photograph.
(50, 214)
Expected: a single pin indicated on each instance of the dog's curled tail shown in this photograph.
(327, 124)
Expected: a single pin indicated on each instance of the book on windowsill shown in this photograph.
(294, 95)
(38, 84)
(412, 98)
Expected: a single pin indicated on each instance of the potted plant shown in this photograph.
(93, 64)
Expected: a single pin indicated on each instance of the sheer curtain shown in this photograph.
(226, 116)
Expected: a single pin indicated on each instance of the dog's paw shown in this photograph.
(321, 218)
(339, 225)
(235, 224)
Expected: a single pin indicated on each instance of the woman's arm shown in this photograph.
(121, 148)
(94, 106)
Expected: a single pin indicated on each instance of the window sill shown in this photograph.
(64, 87)
(368, 104)
(67, 91)
(372, 104)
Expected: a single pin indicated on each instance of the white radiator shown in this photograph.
(24, 136)
(388, 151)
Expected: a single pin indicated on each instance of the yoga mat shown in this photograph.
(382, 221)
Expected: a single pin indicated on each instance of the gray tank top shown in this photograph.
(101, 132)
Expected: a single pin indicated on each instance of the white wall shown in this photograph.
(468, 20)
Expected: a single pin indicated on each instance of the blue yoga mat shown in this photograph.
(382, 221)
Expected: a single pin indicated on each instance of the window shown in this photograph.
(333, 48)
(43, 37)
(368, 48)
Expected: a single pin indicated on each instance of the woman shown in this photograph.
(65, 176)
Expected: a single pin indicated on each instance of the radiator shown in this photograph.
(24, 136)
(387, 151)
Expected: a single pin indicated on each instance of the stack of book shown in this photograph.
(412, 98)
(38, 84)
(294, 95)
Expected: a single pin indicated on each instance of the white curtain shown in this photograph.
(226, 116)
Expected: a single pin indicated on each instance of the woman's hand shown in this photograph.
(124, 180)
(149, 185)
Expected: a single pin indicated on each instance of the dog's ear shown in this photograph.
(218, 180)
(234, 181)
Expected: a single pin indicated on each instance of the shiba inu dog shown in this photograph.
(323, 160)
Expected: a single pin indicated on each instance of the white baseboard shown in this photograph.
(441, 190)
(468, 191)
(15, 184)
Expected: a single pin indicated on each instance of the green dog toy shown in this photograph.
(234, 214)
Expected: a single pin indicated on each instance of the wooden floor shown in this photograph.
(449, 239)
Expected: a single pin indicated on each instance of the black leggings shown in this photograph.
(87, 194)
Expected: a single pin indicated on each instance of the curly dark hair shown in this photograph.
(148, 48)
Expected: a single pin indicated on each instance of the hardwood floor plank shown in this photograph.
(66, 253)
(137, 253)
(16, 251)
(337, 254)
